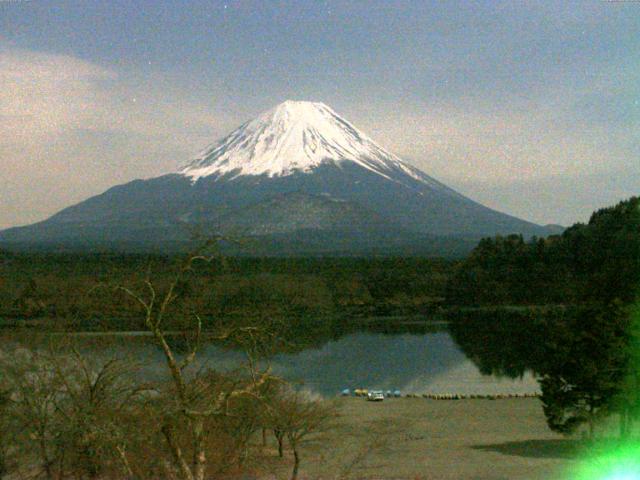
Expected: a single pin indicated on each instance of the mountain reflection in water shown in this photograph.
(416, 362)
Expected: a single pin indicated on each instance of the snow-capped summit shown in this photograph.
(294, 136)
(299, 180)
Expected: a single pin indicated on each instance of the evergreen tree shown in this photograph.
(585, 373)
(628, 400)
(594, 263)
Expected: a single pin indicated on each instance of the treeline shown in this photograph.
(565, 308)
(594, 262)
(74, 288)
(584, 356)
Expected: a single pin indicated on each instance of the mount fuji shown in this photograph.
(298, 179)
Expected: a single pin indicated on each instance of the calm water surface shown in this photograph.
(412, 362)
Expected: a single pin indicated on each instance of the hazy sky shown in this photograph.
(529, 107)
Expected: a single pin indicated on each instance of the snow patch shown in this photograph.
(294, 137)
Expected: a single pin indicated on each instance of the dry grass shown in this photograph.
(429, 439)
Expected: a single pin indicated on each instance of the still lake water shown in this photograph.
(418, 363)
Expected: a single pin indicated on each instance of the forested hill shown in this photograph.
(72, 287)
(598, 261)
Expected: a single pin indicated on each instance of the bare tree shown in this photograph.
(98, 398)
(295, 416)
(195, 400)
(77, 414)
(4, 430)
(32, 391)
(94, 419)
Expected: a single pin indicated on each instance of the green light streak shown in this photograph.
(617, 460)
(621, 462)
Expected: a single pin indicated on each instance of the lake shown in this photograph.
(423, 362)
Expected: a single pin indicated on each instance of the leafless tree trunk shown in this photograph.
(126, 466)
(296, 461)
(176, 451)
(155, 309)
(44, 455)
(280, 438)
(201, 455)
(292, 414)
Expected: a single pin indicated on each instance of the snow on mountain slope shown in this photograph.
(300, 178)
(297, 136)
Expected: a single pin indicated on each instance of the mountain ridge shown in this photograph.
(298, 167)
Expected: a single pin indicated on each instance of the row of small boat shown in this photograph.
(458, 396)
(363, 392)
